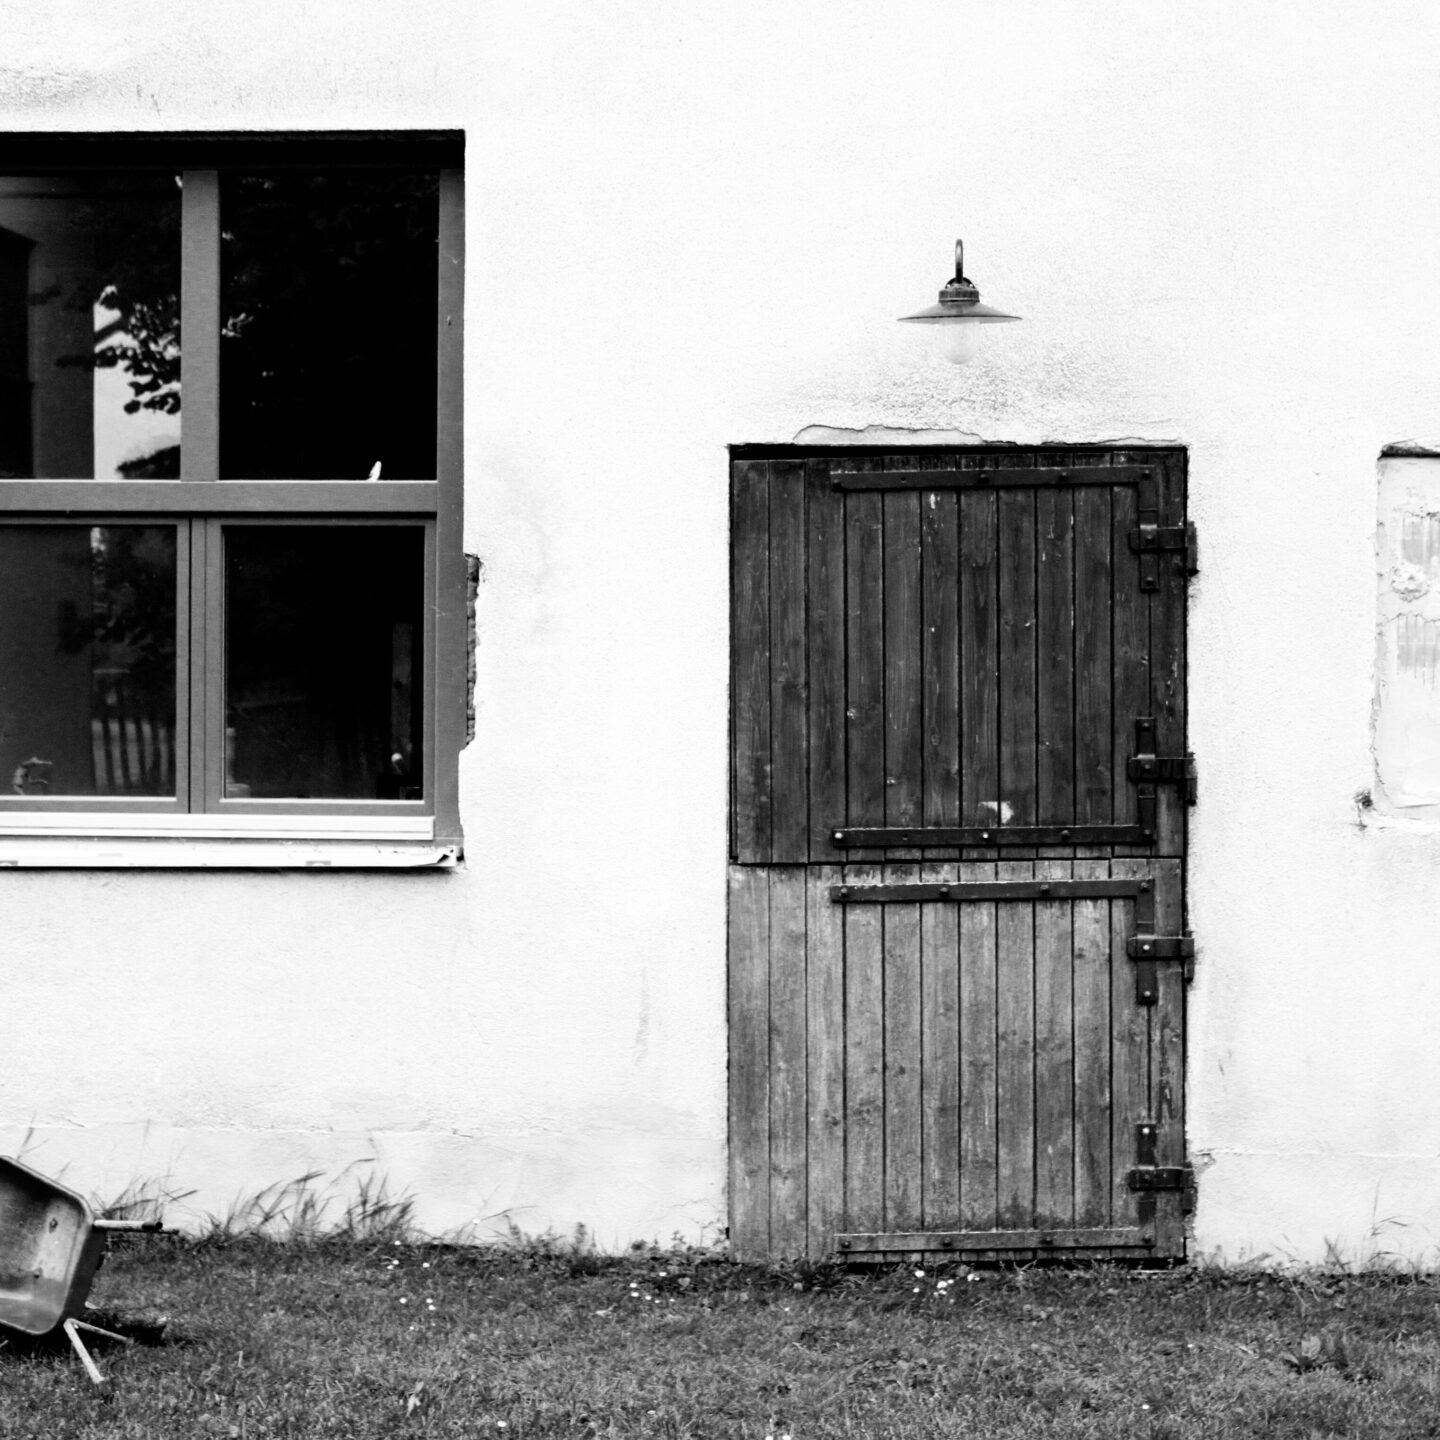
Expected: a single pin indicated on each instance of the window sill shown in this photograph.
(85, 840)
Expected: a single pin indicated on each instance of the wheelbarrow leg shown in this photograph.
(73, 1328)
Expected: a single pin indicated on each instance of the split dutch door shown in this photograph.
(957, 945)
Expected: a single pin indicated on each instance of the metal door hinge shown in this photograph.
(1149, 541)
(1146, 949)
(1148, 768)
(1146, 1179)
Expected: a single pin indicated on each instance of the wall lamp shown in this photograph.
(959, 314)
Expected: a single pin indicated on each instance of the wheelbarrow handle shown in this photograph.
(149, 1227)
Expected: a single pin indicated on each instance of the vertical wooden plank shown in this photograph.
(979, 659)
(865, 662)
(864, 1058)
(1167, 1057)
(825, 518)
(787, 1049)
(940, 1054)
(789, 751)
(200, 305)
(825, 1060)
(750, 673)
(1129, 1048)
(978, 1119)
(903, 1152)
(1091, 986)
(904, 734)
(1094, 600)
(1055, 646)
(749, 1024)
(940, 658)
(1130, 655)
(1015, 1053)
(1167, 649)
(1018, 681)
(1055, 1098)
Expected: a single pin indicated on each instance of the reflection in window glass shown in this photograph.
(87, 660)
(328, 325)
(323, 637)
(89, 327)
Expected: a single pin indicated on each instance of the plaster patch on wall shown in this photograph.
(1407, 665)
(919, 435)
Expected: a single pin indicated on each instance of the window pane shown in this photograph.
(323, 636)
(328, 325)
(89, 327)
(87, 660)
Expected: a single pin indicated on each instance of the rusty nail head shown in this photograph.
(844, 1244)
(837, 836)
(1044, 889)
(984, 834)
(844, 892)
(1064, 834)
(1145, 947)
(1144, 884)
(948, 1242)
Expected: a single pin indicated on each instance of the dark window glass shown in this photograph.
(90, 327)
(328, 325)
(87, 660)
(323, 636)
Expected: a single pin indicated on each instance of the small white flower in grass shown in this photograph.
(919, 1274)
(403, 1300)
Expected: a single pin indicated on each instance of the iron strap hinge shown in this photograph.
(1149, 1178)
(1146, 1177)
(1161, 947)
(1149, 541)
(1148, 768)
(1146, 949)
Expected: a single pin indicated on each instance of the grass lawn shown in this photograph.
(356, 1339)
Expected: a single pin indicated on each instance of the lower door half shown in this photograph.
(974, 1059)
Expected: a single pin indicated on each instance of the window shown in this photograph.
(232, 590)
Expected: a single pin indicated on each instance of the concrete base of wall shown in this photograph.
(620, 1187)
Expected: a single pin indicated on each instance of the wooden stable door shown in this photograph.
(959, 782)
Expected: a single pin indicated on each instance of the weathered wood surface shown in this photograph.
(928, 1065)
(913, 656)
(913, 659)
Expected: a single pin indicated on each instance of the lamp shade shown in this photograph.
(959, 309)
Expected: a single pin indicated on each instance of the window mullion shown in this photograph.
(199, 682)
(200, 325)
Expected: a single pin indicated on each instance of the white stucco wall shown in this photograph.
(694, 225)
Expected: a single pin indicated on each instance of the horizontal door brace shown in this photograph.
(973, 890)
(1061, 476)
(889, 836)
(1127, 1237)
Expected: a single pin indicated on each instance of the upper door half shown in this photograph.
(967, 653)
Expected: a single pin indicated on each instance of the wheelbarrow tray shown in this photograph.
(50, 1247)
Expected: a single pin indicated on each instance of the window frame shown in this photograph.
(200, 826)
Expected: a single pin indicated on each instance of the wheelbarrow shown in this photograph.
(51, 1244)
